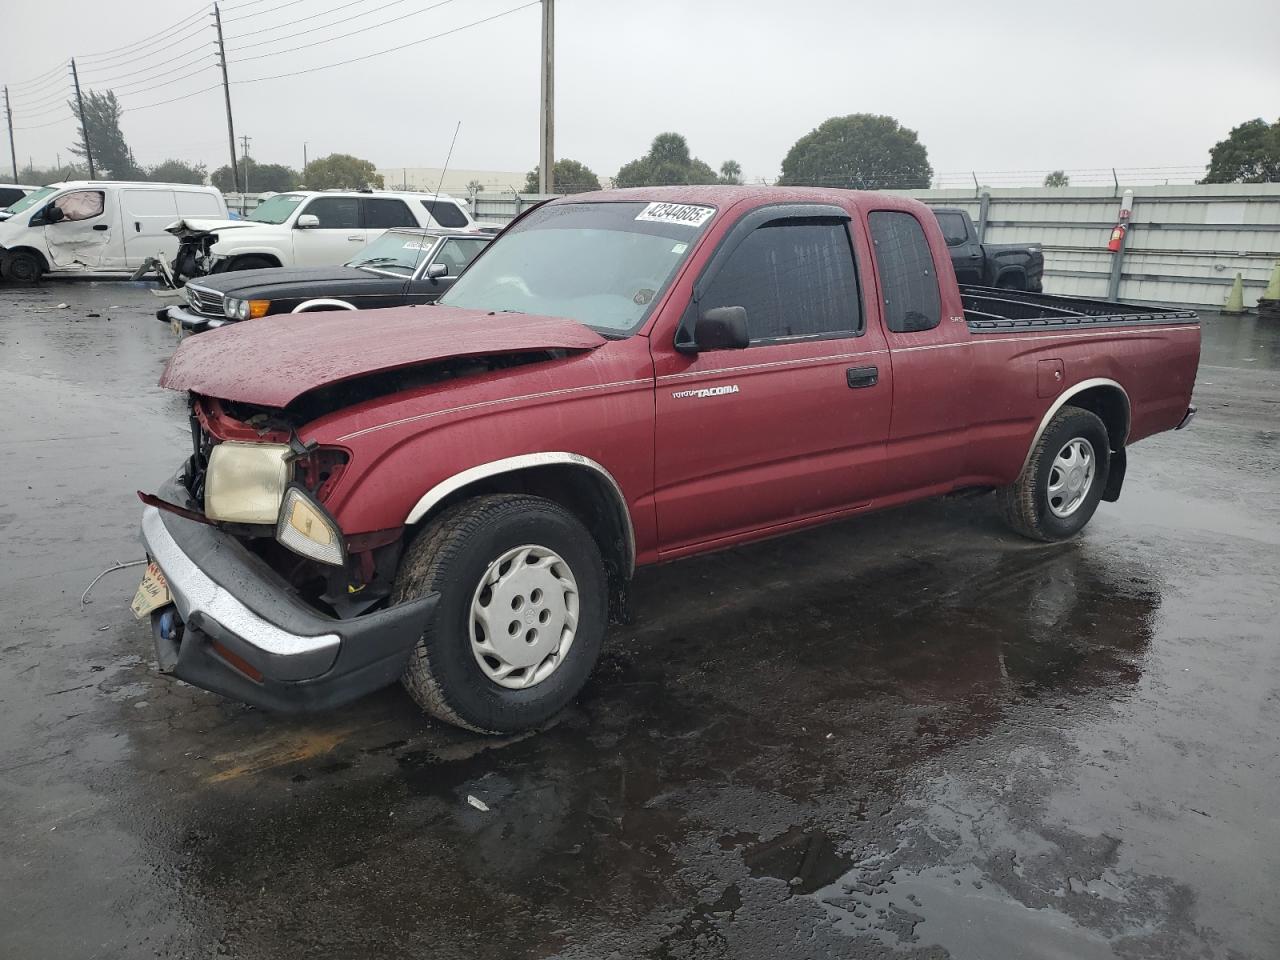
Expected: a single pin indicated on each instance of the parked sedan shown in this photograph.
(401, 267)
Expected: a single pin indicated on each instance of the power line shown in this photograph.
(403, 46)
(323, 26)
(115, 52)
(41, 126)
(161, 103)
(350, 33)
(318, 13)
(121, 60)
(206, 54)
(261, 13)
(46, 82)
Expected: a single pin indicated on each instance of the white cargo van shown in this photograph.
(98, 226)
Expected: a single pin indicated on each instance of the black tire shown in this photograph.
(22, 267)
(451, 556)
(1026, 504)
(250, 263)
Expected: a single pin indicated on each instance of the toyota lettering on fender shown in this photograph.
(458, 496)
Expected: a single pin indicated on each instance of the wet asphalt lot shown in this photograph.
(910, 735)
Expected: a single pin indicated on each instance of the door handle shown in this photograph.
(858, 377)
(101, 226)
(355, 236)
(137, 227)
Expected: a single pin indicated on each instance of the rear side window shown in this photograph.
(192, 204)
(456, 254)
(383, 213)
(446, 213)
(795, 279)
(335, 213)
(908, 282)
(150, 203)
(953, 230)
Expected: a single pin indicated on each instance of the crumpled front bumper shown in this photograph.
(184, 321)
(241, 632)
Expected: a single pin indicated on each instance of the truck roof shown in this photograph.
(724, 196)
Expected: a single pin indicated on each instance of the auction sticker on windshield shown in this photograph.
(685, 214)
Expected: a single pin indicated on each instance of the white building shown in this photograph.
(455, 181)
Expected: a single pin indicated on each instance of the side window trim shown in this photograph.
(760, 217)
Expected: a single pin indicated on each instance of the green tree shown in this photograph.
(40, 176)
(176, 171)
(340, 171)
(1249, 154)
(111, 154)
(731, 172)
(570, 177)
(1058, 178)
(667, 162)
(862, 151)
(262, 177)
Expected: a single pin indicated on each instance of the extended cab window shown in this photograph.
(908, 282)
(383, 213)
(446, 214)
(953, 230)
(795, 279)
(335, 213)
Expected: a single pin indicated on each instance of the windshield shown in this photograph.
(277, 209)
(602, 264)
(30, 200)
(395, 252)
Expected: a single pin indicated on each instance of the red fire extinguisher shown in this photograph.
(1122, 224)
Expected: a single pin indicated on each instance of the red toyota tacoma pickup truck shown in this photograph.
(458, 495)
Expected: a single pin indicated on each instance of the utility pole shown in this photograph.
(84, 127)
(13, 150)
(546, 114)
(226, 93)
(244, 155)
(304, 159)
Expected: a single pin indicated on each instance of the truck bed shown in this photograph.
(988, 310)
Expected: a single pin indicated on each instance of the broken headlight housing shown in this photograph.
(245, 482)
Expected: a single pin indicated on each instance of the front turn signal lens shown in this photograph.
(306, 529)
(258, 308)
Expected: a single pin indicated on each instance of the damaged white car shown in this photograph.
(97, 226)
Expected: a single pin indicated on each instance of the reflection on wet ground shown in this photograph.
(909, 735)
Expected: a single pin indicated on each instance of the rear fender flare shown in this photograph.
(1062, 400)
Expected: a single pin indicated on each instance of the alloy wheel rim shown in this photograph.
(1071, 477)
(524, 616)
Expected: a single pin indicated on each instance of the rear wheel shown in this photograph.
(521, 617)
(1059, 488)
(21, 266)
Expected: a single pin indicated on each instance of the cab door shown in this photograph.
(929, 344)
(338, 236)
(85, 233)
(793, 426)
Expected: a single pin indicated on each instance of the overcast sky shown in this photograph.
(988, 86)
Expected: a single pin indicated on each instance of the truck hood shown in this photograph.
(290, 281)
(273, 361)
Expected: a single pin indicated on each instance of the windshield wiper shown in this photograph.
(365, 263)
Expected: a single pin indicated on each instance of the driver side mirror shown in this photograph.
(437, 270)
(307, 221)
(52, 214)
(720, 328)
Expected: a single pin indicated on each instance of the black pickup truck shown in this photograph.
(1013, 266)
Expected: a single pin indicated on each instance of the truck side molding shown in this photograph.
(427, 502)
(1062, 400)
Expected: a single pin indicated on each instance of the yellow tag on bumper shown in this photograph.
(152, 593)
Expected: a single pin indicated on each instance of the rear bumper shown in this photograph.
(241, 632)
(1186, 420)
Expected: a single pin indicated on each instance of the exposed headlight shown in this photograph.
(245, 481)
(229, 307)
(242, 309)
(305, 528)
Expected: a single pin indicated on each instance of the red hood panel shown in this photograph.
(275, 360)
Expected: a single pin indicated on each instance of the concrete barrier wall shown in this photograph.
(1185, 243)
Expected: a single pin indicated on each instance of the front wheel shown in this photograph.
(521, 616)
(1061, 484)
(22, 267)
